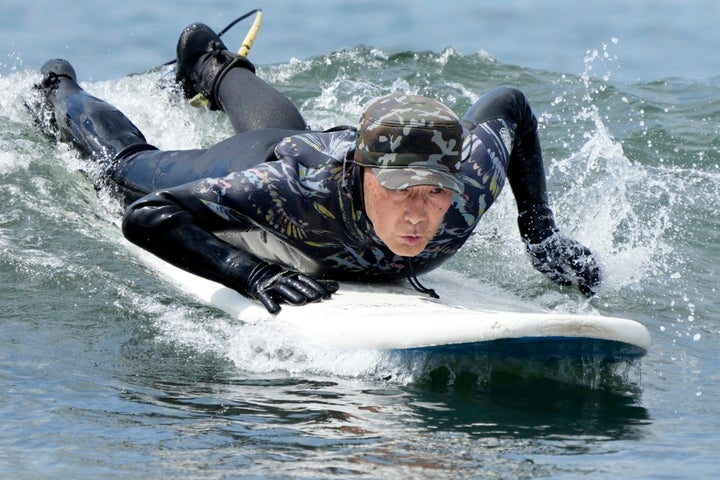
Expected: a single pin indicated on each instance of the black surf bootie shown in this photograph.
(66, 111)
(202, 62)
(58, 79)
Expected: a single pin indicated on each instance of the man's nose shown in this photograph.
(415, 211)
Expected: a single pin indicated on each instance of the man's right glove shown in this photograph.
(271, 284)
(566, 262)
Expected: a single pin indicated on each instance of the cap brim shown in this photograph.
(401, 178)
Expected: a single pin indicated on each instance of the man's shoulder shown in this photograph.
(314, 149)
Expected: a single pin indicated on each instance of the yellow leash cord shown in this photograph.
(200, 100)
(251, 34)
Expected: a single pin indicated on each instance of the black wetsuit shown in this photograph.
(301, 205)
(280, 193)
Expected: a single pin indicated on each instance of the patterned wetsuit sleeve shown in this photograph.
(486, 151)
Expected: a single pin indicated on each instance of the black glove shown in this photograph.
(566, 262)
(271, 284)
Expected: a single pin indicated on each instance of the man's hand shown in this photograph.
(566, 262)
(271, 284)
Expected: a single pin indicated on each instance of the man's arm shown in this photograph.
(167, 224)
(562, 259)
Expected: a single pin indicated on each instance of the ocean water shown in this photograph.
(107, 371)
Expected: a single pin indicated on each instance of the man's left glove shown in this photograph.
(271, 284)
(566, 262)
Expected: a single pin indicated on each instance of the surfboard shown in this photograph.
(470, 318)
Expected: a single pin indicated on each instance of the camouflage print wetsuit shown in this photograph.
(301, 205)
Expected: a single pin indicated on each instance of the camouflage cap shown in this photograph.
(410, 140)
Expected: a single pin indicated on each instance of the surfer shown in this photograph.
(280, 212)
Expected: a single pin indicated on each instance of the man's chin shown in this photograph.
(405, 250)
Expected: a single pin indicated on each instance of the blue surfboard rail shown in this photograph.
(607, 351)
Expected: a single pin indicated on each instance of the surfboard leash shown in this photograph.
(200, 100)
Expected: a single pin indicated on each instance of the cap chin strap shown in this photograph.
(415, 282)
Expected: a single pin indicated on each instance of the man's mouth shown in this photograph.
(412, 239)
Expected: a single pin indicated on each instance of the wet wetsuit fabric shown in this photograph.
(300, 205)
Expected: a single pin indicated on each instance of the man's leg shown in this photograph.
(228, 81)
(140, 173)
(72, 115)
(111, 139)
(252, 104)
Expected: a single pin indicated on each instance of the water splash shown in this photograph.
(638, 200)
(616, 205)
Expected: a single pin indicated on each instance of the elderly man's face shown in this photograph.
(406, 220)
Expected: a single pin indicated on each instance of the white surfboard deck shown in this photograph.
(469, 318)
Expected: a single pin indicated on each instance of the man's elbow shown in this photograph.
(148, 218)
(133, 225)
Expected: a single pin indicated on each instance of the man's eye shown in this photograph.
(442, 192)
